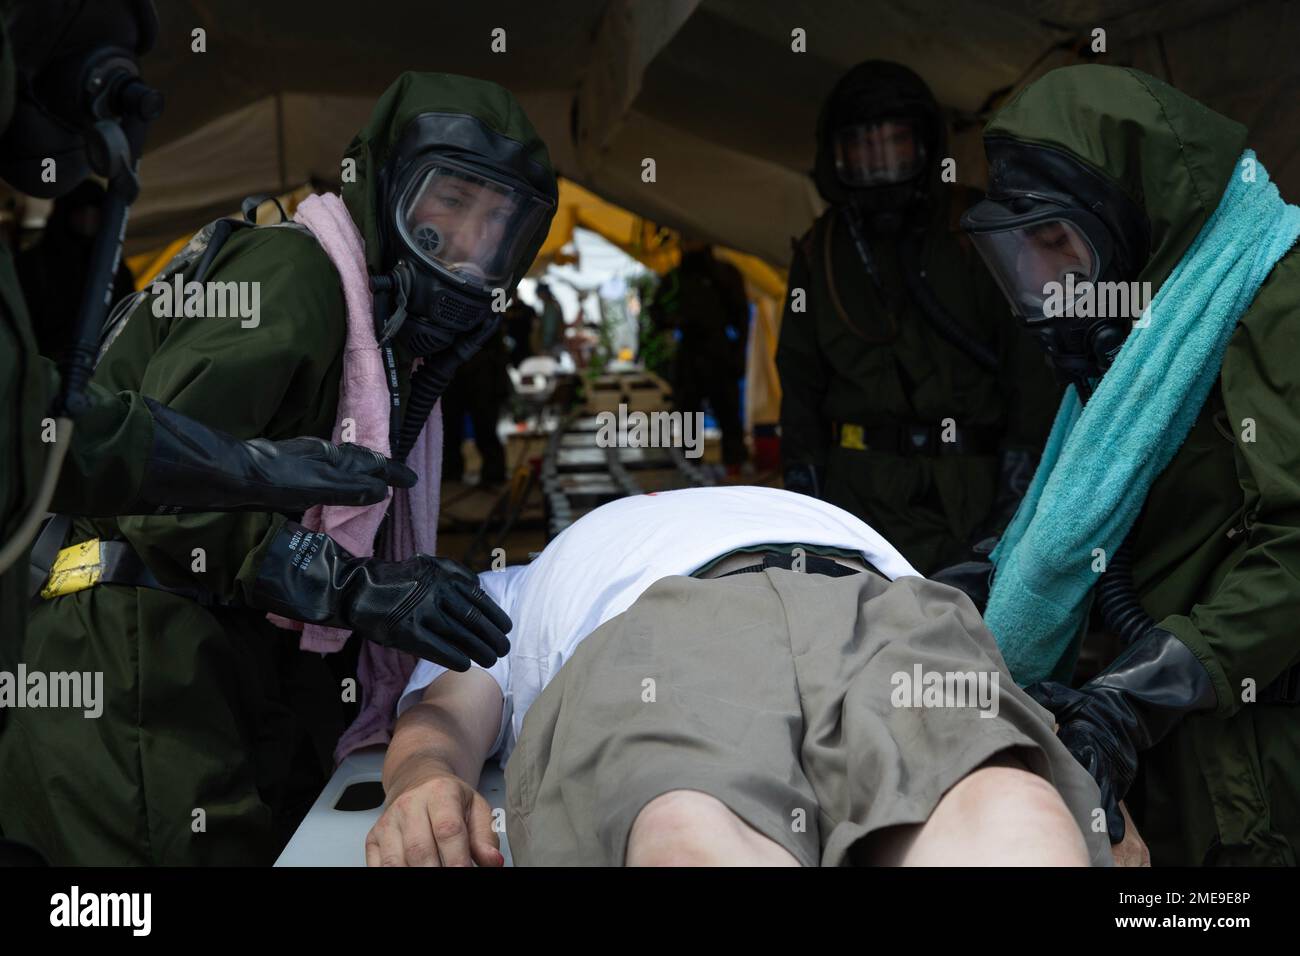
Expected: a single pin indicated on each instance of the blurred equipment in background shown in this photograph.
(536, 384)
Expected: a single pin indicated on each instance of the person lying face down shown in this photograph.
(735, 675)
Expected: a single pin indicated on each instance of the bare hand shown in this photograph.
(442, 821)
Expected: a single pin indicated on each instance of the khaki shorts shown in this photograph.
(788, 697)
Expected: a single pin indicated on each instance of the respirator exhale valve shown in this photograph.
(428, 240)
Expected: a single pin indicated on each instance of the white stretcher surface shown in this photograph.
(328, 836)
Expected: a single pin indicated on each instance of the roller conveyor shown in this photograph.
(578, 475)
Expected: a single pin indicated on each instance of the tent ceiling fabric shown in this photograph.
(271, 146)
(710, 89)
(341, 47)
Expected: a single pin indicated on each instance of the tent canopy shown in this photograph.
(712, 90)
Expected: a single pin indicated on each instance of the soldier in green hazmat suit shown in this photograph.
(909, 396)
(217, 731)
(127, 454)
(1197, 723)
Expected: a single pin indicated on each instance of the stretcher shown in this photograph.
(334, 831)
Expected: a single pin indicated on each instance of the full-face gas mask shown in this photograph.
(1051, 230)
(464, 211)
(81, 107)
(877, 135)
(880, 163)
(464, 208)
(881, 152)
(76, 79)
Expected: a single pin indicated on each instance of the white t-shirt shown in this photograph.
(598, 566)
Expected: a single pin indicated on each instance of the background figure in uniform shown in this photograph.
(909, 396)
(519, 321)
(551, 327)
(478, 389)
(704, 300)
(52, 271)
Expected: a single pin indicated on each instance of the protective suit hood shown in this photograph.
(1166, 154)
(453, 193)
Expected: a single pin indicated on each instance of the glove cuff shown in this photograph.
(1153, 684)
(296, 576)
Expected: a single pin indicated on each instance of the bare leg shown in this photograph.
(999, 815)
(690, 828)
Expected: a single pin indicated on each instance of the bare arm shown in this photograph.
(451, 729)
(434, 815)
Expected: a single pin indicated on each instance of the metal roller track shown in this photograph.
(578, 475)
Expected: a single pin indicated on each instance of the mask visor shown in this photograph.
(879, 153)
(469, 226)
(1032, 259)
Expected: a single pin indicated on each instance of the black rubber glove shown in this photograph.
(194, 468)
(975, 578)
(1016, 468)
(1127, 708)
(430, 607)
(805, 479)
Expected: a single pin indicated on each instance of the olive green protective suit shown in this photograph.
(1217, 546)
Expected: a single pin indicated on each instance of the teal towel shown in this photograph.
(1101, 459)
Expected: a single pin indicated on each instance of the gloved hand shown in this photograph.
(430, 607)
(1016, 468)
(195, 468)
(1127, 708)
(805, 479)
(974, 578)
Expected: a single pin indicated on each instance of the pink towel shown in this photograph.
(363, 417)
